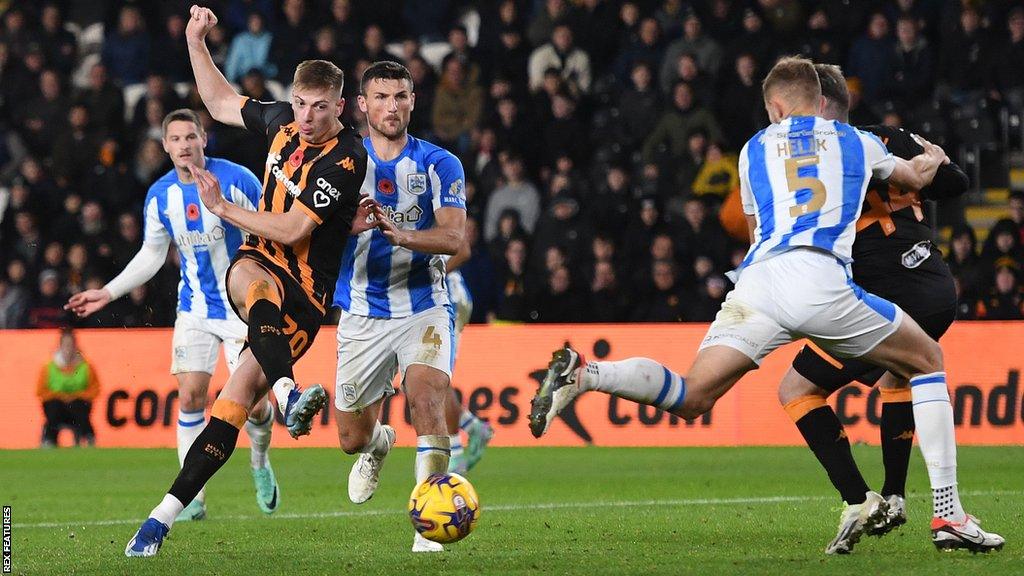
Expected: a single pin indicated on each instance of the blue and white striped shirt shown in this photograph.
(384, 281)
(206, 244)
(804, 180)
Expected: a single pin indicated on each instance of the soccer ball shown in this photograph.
(444, 508)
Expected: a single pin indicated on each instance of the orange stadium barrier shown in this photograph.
(497, 372)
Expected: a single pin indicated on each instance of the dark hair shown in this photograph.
(385, 70)
(183, 115)
(833, 88)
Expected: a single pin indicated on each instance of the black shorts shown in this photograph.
(934, 310)
(300, 318)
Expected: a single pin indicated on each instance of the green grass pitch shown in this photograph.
(545, 511)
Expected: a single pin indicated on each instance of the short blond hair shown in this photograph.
(319, 75)
(794, 79)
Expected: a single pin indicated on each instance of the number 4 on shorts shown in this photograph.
(430, 336)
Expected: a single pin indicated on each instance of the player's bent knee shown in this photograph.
(352, 442)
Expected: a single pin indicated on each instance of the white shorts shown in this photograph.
(195, 342)
(372, 350)
(802, 293)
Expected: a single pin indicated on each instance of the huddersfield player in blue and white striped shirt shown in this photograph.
(396, 315)
(803, 181)
(173, 213)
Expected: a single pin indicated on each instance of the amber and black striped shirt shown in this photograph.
(324, 180)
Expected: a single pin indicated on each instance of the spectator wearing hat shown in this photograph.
(47, 308)
(67, 387)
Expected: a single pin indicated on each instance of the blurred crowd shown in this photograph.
(599, 137)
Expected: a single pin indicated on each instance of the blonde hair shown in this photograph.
(794, 80)
(319, 75)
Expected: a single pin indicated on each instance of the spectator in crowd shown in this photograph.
(596, 24)
(373, 46)
(965, 265)
(608, 301)
(250, 49)
(1004, 301)
(67, 387)
(718, 176)
(292, 39)
(708, 300)
(516, 193)
(911, 64)
(699, 234)
(513, 302)
(821, 43)
(59, 45)
(647, 49)
(870, 59)
(47, 307)
(560, 54)
(684, 117)
(560, 302)
(170, 54)
(76, 148)
(458, 40)
(754, 40)
(103, 99)
(126, 49)
(14, 296)
(41, 117)
(639, 105)
(562, 225)
(346, 29)
(704, 49)
(458, 106)
(663, 301)
(544, 22)
(1016, 203)
(964, 62)
(1007, 82)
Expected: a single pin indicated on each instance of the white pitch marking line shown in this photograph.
(521, 507)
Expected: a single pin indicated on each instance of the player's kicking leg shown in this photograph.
(259, 296)
(208, 453)
(909, 352)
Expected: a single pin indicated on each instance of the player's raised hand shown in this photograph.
(395, 235)
(364, 218)
(200, 22)
(85, 303)
(209, 189)
(935, 152)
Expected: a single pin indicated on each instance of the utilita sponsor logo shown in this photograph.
(1003, 406)
(195, 239)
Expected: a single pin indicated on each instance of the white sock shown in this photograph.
(167, 510)
(190, 425)
(641, 380)
(281, 389)
(432, 452)
(378, 445)
(933, 416)
(467, 419)
(455, 442)
(259, 439)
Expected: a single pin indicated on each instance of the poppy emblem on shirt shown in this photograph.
(192, 212)
(296, 158)
(385, 186)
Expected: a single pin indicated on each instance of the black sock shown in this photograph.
(897, 432)
(269, 344)
(825, 436)
(208, 453)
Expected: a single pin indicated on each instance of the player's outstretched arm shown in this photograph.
(220, 98)
(445, 237)
(287, 228)
(143, 266)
